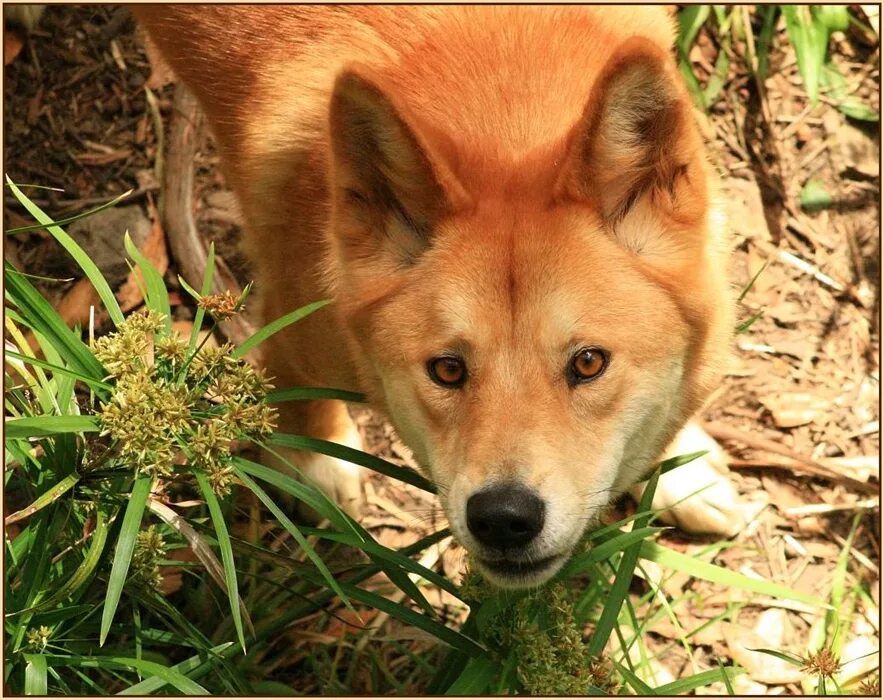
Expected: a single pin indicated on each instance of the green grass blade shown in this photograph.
(698, 680)
(667, 465)
(309, 494)
(582, 562)
(36, 681)
(719, 75)
(475, 678)
(294, 532)
(768, 14)
(446, 635)
(226, 553)
(71, 219)
(299, 442)
(50, 496)
(123, 554)
(725, 678)
(208, 278)
(146, 668)
(788, 658)
(157, 295)
(690, 19)
(408, 587)
(311, 393)
(717, 574)
(623, 577)
(275, 326)
(748, 323)
(638, 685)
(40, 426)
(71, 246)
(39, 315)
(87, 566)
(752, 282)
(58, 369)
(151, 685)
(810, 40)
(378, 551)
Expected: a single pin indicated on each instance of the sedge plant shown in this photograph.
(122, 452)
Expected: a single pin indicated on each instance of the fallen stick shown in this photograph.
(796, 461)
(187, 246)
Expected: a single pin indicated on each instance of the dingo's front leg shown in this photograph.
(326, 420)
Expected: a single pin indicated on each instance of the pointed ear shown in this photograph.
(636, 142)
(384, 173)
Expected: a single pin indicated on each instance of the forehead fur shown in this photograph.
(519, 277)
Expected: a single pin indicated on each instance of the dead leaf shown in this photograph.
(782, 494)
(74, 307)
(859, 657)
(12, 45)
(789, 410)
(760, 667)
(172, 576)
(154, 249)
(745, 210)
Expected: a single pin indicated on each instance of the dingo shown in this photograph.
(511, 209)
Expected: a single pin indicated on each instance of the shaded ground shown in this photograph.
(803, 386)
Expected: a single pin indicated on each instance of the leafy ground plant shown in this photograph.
(124, 467)
(747, 31)
(103, 440)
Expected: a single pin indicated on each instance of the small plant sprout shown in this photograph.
(150, 548)
(822, 663)
(38, 639)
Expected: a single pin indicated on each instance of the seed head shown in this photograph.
(821, 663)
(870, 686)
(221, 306)
(38, 639)
(150, 548)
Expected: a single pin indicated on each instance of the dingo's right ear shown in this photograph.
(637, 141)
(383, 169)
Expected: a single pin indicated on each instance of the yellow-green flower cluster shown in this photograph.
(540, 631)
(150, 548)
(169, 406)
(146, 416)
(129, 349)
(38, 639)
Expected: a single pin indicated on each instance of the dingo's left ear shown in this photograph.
(384, 169)
(637, 138)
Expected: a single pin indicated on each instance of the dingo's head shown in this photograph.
(536, 330)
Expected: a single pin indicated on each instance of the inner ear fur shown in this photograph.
(637, 138)
(383, 165)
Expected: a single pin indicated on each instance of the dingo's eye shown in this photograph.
(447, 371)
(587, 363)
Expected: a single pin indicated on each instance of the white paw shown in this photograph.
(340, 480)
(699, 497)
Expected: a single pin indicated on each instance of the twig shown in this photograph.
(187, 246)
(811, 270)
(797, 462)
(160, 133)
(823, 508)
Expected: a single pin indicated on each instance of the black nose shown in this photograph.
(505, 516)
